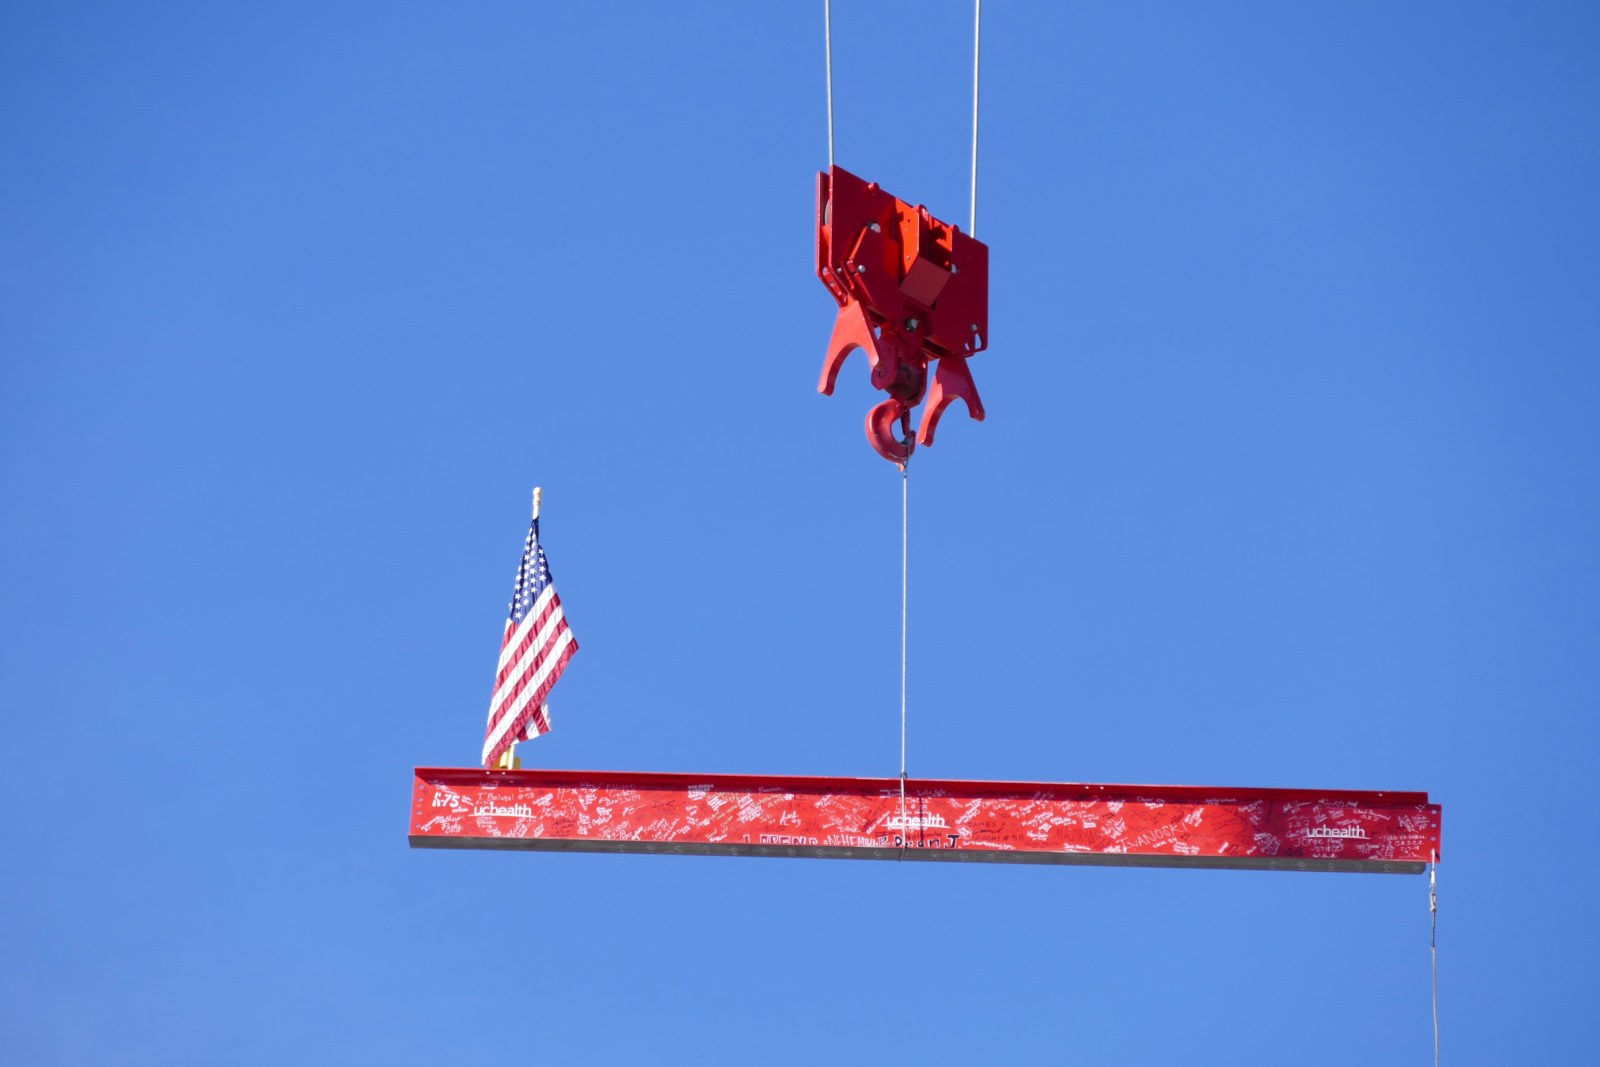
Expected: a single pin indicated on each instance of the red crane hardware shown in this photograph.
(911, 290)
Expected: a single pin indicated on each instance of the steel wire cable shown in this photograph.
(977, 23)
(827, 44)
(1433, 948)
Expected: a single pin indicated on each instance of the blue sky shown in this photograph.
(1289, 479)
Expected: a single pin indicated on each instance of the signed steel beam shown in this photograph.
(863, 818)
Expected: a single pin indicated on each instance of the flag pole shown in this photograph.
(508, 758)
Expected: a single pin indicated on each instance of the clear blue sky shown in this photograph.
(1289, 479)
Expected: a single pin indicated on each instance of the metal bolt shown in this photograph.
(875, 228)
(912, 324)
(954, 269)
(863, 270)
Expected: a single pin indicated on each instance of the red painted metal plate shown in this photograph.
(862, 818)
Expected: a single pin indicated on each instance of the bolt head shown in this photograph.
(875, 228)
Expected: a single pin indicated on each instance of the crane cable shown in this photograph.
(905, 525)
(905, 478)
(977, 23)
(827, 44)
(1433, 947)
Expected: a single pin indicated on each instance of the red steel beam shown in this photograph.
(862, 818)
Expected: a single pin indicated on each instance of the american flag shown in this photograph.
(535, 650)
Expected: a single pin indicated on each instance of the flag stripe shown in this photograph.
(517, 635)
(528, 664)
(540, 678)
(533, 649)
(528, 668)
(538, 723)
(518, 713)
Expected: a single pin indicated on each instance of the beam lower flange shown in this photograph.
(956, 821)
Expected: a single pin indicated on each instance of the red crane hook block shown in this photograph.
(911, 290)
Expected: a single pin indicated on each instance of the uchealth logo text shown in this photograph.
(484, 808)
(1337, 831)
(913, 831)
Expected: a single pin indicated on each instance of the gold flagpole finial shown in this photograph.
(538, 494)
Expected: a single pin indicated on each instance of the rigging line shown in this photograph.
(905, 500)
(1433, 949)
(827, 44)
(977, 22)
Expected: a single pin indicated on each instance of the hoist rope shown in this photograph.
(905, 525)
(827, 44)
(1433, 948)
(977, 26)
(977, 22)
